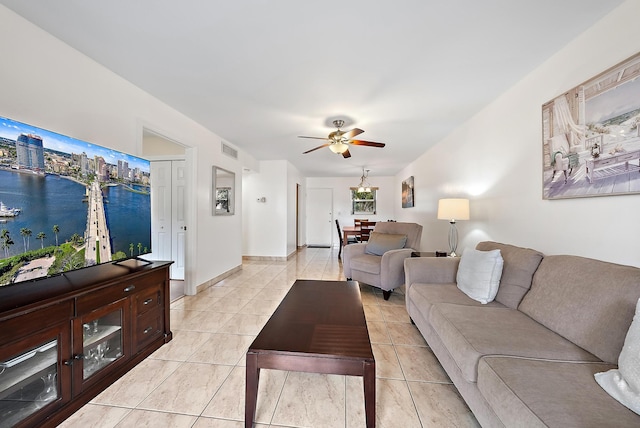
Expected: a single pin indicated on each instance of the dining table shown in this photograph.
(349, 231)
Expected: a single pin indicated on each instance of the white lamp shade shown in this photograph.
(453, 209)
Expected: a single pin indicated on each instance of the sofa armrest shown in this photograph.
(430, 270)
(349, 252)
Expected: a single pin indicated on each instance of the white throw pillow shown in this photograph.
(623, 383)
(479, 274)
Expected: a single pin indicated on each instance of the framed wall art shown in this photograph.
(591, 136)
(407, 193)
(223, 191)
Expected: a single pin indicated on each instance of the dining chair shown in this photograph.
(366, 227)
(350, 239)
(357, 222)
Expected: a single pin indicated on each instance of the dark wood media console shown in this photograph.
(65, 339)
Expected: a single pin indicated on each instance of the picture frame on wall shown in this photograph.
(407, 193)
(591, 136)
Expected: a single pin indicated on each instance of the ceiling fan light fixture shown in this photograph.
(338, 147)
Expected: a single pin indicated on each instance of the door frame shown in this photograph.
(190, 154)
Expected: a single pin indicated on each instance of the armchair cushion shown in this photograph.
(380, 243)
(368, 263)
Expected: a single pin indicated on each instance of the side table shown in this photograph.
(429, 254)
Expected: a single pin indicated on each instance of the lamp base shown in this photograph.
(453, 239)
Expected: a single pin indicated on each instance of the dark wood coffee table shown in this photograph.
(319, 327)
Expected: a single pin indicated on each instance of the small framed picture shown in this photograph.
(407, 193)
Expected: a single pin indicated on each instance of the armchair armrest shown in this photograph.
(430, 270)
(392, 268)
(350, 251)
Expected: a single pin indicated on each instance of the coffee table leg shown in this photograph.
(369, 379)
(251, 390)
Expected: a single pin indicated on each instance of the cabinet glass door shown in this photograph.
(28, 381)
(102, 342)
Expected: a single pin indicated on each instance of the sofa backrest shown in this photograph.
(589, 302)
(412, 230)
(517, 273)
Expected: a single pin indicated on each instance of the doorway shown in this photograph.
(168, 206)
(319, 217)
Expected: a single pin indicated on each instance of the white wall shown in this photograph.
(269, 228)
(265, 224)
(495, 159)
(386, 203)
(50, 85)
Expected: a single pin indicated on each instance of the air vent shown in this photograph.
(229, 151)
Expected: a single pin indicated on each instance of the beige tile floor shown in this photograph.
(197, 380)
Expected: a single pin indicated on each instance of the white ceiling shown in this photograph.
(261, 72)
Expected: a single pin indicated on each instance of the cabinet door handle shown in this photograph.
(148, 330)
(146, 302)
(130, 288)
(73, 359)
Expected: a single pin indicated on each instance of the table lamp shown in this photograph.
(452, 210)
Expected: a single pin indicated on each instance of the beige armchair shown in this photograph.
(380, 262)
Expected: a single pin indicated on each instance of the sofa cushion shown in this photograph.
(535, 393)
(479, 274)
(623, 383)
(366, 263)
(590, 302)
(471, 332)
(517, 273)
(380, 243)
(424, 296)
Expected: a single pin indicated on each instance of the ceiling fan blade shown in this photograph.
(366, 143)
(346, 154)
(352, 133)
(313, 138)
(316, 148)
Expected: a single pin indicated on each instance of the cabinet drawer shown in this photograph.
(147, 300)
(148, 327)
(98, 298)
(20, 326)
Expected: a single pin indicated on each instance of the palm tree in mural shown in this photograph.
(131, 248)
(41, 236)
(76, 239)
(56, 229)
(26, 236)
(6, 241)
(139, 248)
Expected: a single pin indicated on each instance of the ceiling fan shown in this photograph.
(338, 141)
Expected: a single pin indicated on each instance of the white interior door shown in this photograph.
(161, 210)
(178, 226)
(319, 217)
(168, 220)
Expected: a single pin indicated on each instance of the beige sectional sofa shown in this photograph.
(528, 358)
